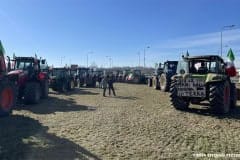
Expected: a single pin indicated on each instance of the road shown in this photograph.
(139, 123)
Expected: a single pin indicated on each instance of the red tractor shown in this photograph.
(32, 82)
(7, 88)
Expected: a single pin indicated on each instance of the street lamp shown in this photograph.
(225, 28)
(87, 56)
(139, 54)
(61, 60)
(110, 59)
(145, 55)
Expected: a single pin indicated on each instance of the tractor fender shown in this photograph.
(213, 77)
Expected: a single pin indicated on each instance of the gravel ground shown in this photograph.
(139, 123)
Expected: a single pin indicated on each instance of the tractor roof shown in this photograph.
(25, 58)
(204, 58)
(60, 68)
(171, 62)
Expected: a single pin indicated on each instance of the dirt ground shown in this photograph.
(139, 123)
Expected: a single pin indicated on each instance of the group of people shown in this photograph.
(107, 82)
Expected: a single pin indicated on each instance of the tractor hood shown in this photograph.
(210, 77)
(53, 77)
(16, 72)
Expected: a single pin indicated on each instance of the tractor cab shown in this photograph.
(201, 65)
(31, 80)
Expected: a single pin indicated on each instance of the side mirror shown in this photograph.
(8, 64)
(223, 65)
(182, 71)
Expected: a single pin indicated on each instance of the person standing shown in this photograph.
(110, 85)
(104, 85)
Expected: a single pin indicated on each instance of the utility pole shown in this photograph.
(224, 28)
(61, 60)
(110, 59)
(139, 54)
(144, 54)
(87, 56)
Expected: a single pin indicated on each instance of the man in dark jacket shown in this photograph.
(110, 85)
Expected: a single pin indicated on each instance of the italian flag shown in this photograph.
(230, 68)
(2, 59)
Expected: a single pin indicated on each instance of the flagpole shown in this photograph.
(222, 29)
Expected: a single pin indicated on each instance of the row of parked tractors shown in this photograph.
(26, 80)
(196, 79)
(21, 81)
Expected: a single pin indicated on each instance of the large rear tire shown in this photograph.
(32, 93)
(219, 97)
(45, 89)
(164, 83)
(155, 83)
(71, 85)
(149, 82)
(233, 94)
(178, 102)
(7, 97)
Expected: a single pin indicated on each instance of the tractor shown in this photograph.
(203, 78)
(8, 92)
(32, 82)
(161, 78)
(169, 70)
(153, 81)
(90, 79)
(81, 74)
(61, 80)
(136, 76)
(73, 72)
(123, 75)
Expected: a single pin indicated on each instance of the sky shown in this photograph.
(69, 31)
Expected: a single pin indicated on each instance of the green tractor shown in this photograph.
(61, 80)
(203, 78)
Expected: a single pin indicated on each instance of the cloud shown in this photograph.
(207, 43)
(208, 40)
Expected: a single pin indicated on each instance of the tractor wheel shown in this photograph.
(178, 102)
(164, 83)
(94, 83)
(45, 88)
(71, 85)
(7, 98)
(149, 82)
(233, 96)
(219, 97)
(32, 93)
(155, 83)
(63, 87)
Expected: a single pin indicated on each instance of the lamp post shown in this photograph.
(110, 59)
(139, 54)
(222, 29)
(87, 56)
(61, 60)
(144, 55)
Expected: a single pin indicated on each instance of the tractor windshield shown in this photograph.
(199, 66)
(203, 67)
(137, 72)
(23, 65)
(58, 72)
(172, 67)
